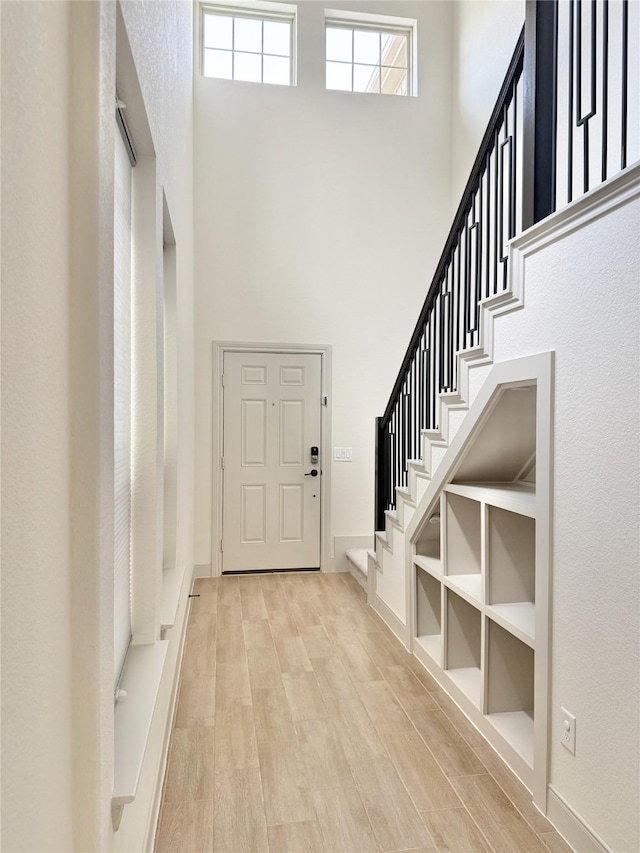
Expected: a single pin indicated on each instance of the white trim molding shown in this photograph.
(392, 621)
(325, 352)
(571, 826)
(613, 193)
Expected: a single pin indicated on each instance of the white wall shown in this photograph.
(582, 300)
(57, 417)
(485, 33)
(311, 209)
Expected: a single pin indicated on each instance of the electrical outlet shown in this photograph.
(568, 730)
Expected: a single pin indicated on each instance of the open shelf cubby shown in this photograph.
(428, 555)
(510, 689)
(511, 572)
(463, 646)
(429, 614)
(463, 546)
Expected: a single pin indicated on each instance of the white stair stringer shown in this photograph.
(391, 545)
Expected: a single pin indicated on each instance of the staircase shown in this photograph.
(456, 369)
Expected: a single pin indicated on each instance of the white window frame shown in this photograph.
(391, 24)
(259, 11)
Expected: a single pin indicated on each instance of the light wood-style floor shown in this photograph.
(303, 725)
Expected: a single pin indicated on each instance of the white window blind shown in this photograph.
(122, 404)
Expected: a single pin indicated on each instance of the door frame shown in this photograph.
(217, 429)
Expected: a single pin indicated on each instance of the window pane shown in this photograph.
(217, 63)
(394, 81)
(218, 31)
(339, 76)
(276, 70)
(394, 50)
(247, 66)
(248, 35)
(277, 38)
(366, 47)
(366, 78)
(339, 47)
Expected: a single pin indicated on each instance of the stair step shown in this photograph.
(358, 562)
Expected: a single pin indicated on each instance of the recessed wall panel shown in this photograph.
(292, 375)
(291, 512)
(291, 432)
(254, 375)
(253, 513)
(254, 433)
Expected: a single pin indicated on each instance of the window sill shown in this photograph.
(141, 676)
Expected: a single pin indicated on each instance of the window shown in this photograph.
(122, 403)
(249, 43)
(369, 55)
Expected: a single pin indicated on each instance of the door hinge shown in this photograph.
(222, 462)
(221, 546)
(324, 400)
(222, 380)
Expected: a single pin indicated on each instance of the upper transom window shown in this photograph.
(249, 43)
(364, 56)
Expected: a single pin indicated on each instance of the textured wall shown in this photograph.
(485, 33)
(591, 277)
(57, 417)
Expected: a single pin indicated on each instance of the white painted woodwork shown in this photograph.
(487, 563)
(140, 680)
(271, 419)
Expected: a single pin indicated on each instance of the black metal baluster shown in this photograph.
(570, 110)
(605, 86)
(583, 120)
(488, 228)
(514, 148)
(625, 74)
(496, 213)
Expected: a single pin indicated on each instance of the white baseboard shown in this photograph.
(202, 571)
(392, 621)
(573, 828)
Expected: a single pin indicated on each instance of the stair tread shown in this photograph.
(359, 558)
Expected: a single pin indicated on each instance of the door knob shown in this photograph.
(312, 473)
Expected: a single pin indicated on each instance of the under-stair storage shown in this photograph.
(480, 575)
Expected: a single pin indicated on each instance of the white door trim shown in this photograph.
(219, 349)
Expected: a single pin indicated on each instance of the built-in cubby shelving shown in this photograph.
(479, 586)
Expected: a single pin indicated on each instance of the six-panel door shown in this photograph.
(272, 417)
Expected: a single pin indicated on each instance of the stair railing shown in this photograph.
(472, 267)
(567, 118)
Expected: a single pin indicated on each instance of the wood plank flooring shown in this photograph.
(304, 726)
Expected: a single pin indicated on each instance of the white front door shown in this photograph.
(271, 497)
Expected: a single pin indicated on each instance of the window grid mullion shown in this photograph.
(233, 48)
(353, 57)
(262, 51)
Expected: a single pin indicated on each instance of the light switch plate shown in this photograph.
(343, 454)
